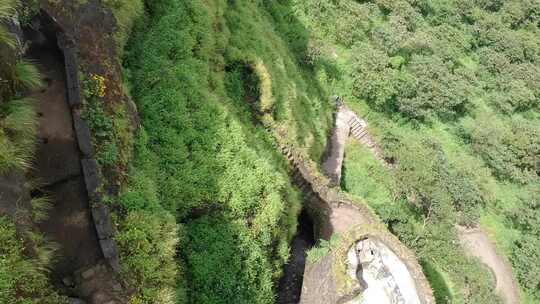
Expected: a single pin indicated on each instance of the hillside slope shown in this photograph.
(199, 71)
(451, 91)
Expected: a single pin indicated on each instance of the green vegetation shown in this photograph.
(24, 254)
(322, 249)
(442, 292)
(451, 91)
(17, 116)
(125, 12)
(199, 70)
(24, 280)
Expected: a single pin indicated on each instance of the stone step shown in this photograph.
(355, 124)
(356, 129)
(361, 134)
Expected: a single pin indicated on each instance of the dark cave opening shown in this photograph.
(290, 284)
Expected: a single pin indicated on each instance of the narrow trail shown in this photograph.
(478, 244)
(79, 269)
(347, 123)
(58, 168)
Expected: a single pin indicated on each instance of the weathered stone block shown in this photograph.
(72, 77)
(84, 137)
(108, 246)
(91, 179)
(102, 221)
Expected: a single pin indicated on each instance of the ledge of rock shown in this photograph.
(368, 266)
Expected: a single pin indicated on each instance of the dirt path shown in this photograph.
(57, 166)
(477, 243)
(79, 268)
(344, 217)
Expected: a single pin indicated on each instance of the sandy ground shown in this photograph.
(477, 243)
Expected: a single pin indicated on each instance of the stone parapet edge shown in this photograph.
(101, 216)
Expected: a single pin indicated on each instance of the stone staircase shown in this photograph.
(359, 131)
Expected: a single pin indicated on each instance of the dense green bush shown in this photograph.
(147, 242)
(432, 184)
(510, 147)
(525, 261)
(200, 69)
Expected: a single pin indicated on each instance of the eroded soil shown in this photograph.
(477, 243)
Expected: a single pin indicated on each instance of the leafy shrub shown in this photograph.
(524, 259)
(147, 243)
(509, 149)
(199, 157)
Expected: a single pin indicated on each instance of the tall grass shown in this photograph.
(40, 207)
(23, 279)
(126, 12)
(27, 75)
(18, 123)
(7, 8)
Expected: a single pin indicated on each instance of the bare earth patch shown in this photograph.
(477, 243)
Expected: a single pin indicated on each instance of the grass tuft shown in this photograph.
(27, 75)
